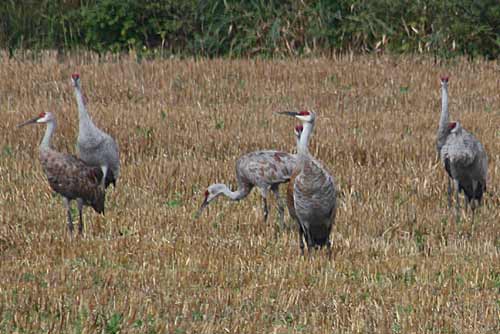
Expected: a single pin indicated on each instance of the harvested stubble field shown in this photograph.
(400, 263)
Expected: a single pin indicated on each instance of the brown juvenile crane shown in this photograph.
(67, 175)
(265, 170)
(312, 195)
(463, 156)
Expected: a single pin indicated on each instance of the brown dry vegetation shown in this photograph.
(400, 263)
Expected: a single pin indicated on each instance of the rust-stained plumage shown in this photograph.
(68, 175)
(72, 178)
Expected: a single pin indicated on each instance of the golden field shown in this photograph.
(400, 263)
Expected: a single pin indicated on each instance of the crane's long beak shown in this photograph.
(202, 207)
(287, 113)
(31, 121)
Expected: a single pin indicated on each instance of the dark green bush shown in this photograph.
(255, 27)
(111, 25)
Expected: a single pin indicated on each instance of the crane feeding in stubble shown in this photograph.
(69, 176)
(94, 146)
(312, 195)
(265, 170)
(464, 158)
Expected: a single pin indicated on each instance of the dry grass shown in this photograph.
(400, 264)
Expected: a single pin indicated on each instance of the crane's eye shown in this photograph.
(304, 113)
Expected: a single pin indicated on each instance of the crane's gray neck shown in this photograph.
(234, 195)
(51, 127)
(444, 119)
(83, 115)
(443, 131)
(303, 142)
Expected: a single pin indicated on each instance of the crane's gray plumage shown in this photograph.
(312, 198)
(463, 156)
(69, 176)
(94, 146)
(265, 170)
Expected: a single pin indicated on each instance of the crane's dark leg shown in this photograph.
(329, 248)
(264, 204)
(457, 202)
(67, 204)
(310, 242)
(301, 239)
(467, 201)
(450, 189)
(79, 201)
(474, 203)
(281, 209)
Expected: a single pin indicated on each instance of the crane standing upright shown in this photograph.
(265, 170)
(443, 130)
(312, 195)
(464, 158)
(68, 175)
(95, 147)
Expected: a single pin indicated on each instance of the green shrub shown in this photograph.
(255, 27)
(111, 25)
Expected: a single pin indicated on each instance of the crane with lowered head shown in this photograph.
(265, 170)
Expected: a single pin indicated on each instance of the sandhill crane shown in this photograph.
(311, 196)
(464, 158)
(262, 169)
(68, 175)
(95, 147)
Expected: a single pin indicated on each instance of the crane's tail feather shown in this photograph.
(472, 194)
(110, 179)
(319, 237)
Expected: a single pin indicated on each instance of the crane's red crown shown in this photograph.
(75, 76)
(41, 115)
(445, 78)
(304, 113)
(207, 193)
(452, 125)
(299, 128)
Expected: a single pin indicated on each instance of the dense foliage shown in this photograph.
(243, 28)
